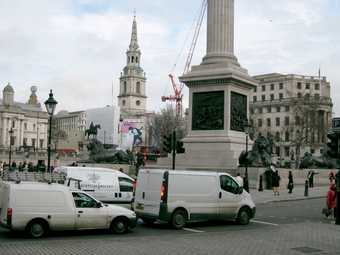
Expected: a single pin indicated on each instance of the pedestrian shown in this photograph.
(276, 183)
(121, 170)
(310, 177)
(239, 179)
(290, 182)
(331, 177)
(331, 200)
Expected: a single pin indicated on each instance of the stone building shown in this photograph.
(28, 123)
(294, 110)
(69, 131)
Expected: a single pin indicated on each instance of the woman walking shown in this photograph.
(331, 199)
(290, 182)
(276, 182)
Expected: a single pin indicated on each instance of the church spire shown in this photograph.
(134, 40)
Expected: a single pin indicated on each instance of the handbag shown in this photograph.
(326, 211)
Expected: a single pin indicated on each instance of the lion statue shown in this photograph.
(260, 155)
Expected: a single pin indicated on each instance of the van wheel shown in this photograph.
(243, 217)
(36, 229)
(119, 226)
(178, 219)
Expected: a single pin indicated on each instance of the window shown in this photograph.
(136, 59)
(125, 87)
(254, 98)
(277, 120)
(299, 95)
(24, 142)
(125, 184)
(307, 96)
(277, 151)
(287, 108)
(280, 96)
(84, 201)
(268, 122)
(281, 86)
(271, 86)
(138, 87)
(287, 151)
(317, 96)
(255, 89)
(277, 136)
(12, 140)
(229, 185)
(269, 109)
(251, 111)
(13, 124)
(123, 102)
(307, 85)
(316, 86)
(33, 142)
(263, 87)
(132, 59)
(299, 85)
(271, 96)
(278, 109)
(259, 122)
(260, 110)
(287, 121)
(297, 120)
(138, 103)
(41, 143)
(263, 97)
(25, 126)
(286, 136)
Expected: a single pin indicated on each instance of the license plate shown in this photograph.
(140, 207)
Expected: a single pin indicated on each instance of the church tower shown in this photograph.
(132, 98)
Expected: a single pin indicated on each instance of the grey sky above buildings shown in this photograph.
(77, 47)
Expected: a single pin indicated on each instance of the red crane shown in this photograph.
(177, 88)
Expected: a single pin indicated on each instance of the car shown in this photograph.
(38, 208)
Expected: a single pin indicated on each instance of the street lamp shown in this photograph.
(50, 104)
(10, 147)
(247, 128)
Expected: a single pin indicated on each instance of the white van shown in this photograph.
(106, 185)
(181, 196)
(40, 207)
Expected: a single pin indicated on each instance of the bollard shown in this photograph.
(261, 183)
(306, 188)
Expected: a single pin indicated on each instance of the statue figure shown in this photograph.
(92, 130)
(260, 155)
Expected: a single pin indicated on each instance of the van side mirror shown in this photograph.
(99, 205)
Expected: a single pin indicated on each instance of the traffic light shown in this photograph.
(333, 145)
(179, 147)
(167, 143)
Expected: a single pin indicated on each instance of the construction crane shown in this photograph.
(178, 87)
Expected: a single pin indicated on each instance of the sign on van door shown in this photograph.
(229, 198)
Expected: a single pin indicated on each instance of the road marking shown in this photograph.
(193, 230)
(265, 223)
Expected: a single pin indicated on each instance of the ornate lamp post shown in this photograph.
(247, 129)
(10, 148)
(50, 104)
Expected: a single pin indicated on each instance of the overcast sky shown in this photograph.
(77, 47)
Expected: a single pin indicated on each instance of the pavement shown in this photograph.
(267, 196)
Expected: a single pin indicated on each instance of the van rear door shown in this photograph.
(148, 192)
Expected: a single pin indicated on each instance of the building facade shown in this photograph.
(132, 97)
(24, 125)
(69, 130)
(295, 111)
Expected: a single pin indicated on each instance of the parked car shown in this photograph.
(178, 197)
(106, 185)
(41, 207)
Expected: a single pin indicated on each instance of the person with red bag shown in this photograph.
(331, 199)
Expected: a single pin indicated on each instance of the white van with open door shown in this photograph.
(106, 185)
(178, 197)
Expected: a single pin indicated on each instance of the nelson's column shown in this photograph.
(219, 91)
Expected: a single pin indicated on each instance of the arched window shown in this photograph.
(125, 87)
(138, 103)
(138, 87)
(132, 59)
(123, 102)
